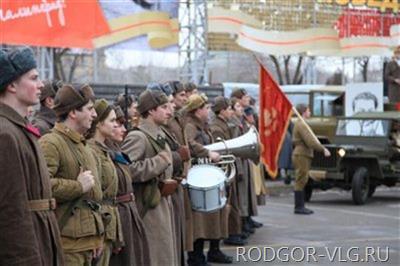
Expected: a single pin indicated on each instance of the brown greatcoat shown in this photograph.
(146, 165)
(392, 72)
(220, 128)
(84, 229)
(26, 237)
(245, 184)
(109, 186)
(44, 119)
(180, 199)
(136, 249)
(205, 225)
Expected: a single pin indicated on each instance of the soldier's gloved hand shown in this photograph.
(327, 153)
(86, 179)
(184, 153)
(166, 156)
(214, 156)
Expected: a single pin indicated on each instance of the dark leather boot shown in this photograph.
(197, 257)
(299, 204)
(246, 228)
(244, 235)
(235, 240)
(216, 255)
(253, 223)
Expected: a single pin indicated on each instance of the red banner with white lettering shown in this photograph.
(51, 23)
(275, 114)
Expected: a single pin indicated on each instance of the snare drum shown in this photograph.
(206, 185)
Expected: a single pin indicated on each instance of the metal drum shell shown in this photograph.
(207, 197)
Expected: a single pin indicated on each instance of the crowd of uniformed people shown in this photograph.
(93, 182)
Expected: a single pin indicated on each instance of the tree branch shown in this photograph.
(297, 78)
(278, 68)
(287, 72)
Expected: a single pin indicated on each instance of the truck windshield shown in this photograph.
(324, 104)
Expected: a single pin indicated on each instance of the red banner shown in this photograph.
(275, 114)
(355, 22)
(51, 23)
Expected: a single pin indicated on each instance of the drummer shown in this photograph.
(206, 226)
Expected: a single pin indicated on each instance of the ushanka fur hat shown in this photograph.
(195, 101)
(150, 99)
(49, 89)
(14, 64)
(238, 93)
(220, 103)
(70, 97)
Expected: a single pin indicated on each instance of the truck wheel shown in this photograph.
(371, 190)
(360, 186)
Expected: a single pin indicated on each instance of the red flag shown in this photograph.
(275, 114)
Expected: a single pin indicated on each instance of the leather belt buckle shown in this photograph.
(52, 204)
(132, 196)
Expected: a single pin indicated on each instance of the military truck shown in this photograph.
(326, 103)
(365, 154)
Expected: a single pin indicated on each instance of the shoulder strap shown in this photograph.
(154, 144)
(171, 139)
(62, 221)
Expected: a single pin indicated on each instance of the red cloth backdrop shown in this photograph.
(355, 22)
(51, 23)
(275, 114)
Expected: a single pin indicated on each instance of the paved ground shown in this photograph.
(338, 233)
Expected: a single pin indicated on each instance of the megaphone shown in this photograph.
(246, 146)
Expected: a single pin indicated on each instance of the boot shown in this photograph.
(235, 240)
(253, 223)
(197, 257)
(216, 255)
(287, 180)
(244, 235)
(299, 203)
(246, 228)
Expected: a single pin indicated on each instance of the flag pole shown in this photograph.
(299, 116)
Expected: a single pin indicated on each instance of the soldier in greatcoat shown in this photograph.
(101, 129)
(177, 141)
(246, 187)
(135, 249)
(74, 176)
(45, 118)
(151, 170)
(29, 233)
(206, 226)
(223, 128)
(304, 145)
(257, 171)
(392, 76)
